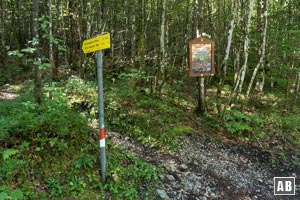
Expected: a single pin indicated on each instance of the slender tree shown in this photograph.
(162, 60)
(262, 48)
(37, 59)
(226, 57)
(242, 72)
(246, 51)
(52, 68)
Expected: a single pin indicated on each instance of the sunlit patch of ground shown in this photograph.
(7, 96)
(6, 93)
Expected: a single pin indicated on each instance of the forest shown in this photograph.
(169, 135)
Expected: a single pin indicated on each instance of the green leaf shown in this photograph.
(45, 35)
(15, 53)
(41, 18)
(261, 135)
(35, 41)
(44, 25)
(61, 48)
(44, 66)
(29, 50)
(53, 141)
(24, 145)
(3, 196)
(55, 41)
(8, 153)
(38, 63)
(17, 194)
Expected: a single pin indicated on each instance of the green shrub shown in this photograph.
(23, 119)
(54, 187)
(61, 160)
(237, 122)
(16, 194)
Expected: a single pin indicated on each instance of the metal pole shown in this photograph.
(99, 61)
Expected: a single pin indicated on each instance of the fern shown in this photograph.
(9, 152)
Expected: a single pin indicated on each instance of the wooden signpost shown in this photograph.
(201, 57)
(201, 64)
(91, 45)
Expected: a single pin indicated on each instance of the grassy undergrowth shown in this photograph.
(152, 120)
(47, 152)
(158, 121)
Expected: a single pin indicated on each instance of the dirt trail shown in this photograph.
(200, 169)
(6, 93)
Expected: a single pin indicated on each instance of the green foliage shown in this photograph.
(16, 53)
(12, 195)
(180, 129)
(10, 167)
(9, 153)
(124, 167)
(286, 126)
(135, 74)
(13, 73)
(76, 185)
(143, 115)
(85, 162)
(42, 62)
(130, 111)
(54, 187)
(45, 26)
(61, 160)
(24, 118)
(237, 122)
(82, 95)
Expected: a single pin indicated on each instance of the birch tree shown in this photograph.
(226, 57)
(262, 48)
(241, 77)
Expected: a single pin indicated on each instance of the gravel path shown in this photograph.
(199, 169)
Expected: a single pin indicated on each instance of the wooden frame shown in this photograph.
(201, 57)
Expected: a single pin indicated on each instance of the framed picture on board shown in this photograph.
(201, 57)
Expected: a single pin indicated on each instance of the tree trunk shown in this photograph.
(51, 53)
(37, 73)
(229, 41)
(72, 36)
(261, 51)
(2, 30)
(200, 80)
(161, 71)
(142, 48)
(133, 33)
(296, 90)
(246, 53)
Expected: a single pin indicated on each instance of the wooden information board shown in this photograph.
(201, 57)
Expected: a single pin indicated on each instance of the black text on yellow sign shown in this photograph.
(97, 43)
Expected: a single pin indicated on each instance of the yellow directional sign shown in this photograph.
(97, 43)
